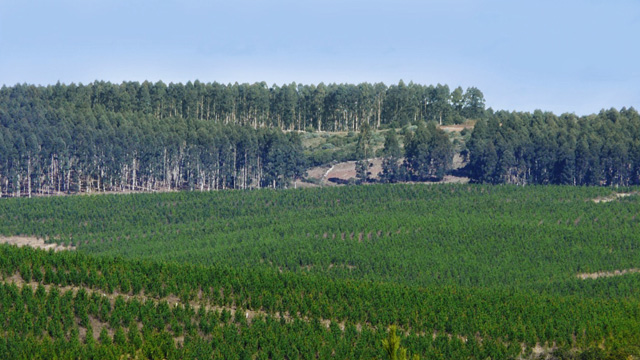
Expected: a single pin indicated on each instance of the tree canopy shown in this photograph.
(428, 152)
(542, 148)
(151, 136)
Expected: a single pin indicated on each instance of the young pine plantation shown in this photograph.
(458, 271)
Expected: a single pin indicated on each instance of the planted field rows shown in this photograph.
(412, 234)
(490, 271)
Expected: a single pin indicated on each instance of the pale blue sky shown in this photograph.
(562, 56)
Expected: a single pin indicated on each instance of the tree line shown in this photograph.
(144, 136)
(542, 148)
(428, 155)
(331, 107)
(51, 151)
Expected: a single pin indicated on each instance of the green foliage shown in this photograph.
(362, 170)
(391, 145)
(473, 104)
(391, 170)
(363, 145)
(392, 347)
(495, 266)
(150, 136)
(453, 234)
(428, 153)
(542, 148)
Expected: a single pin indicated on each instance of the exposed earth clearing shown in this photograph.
(33, 242)
(601, 274)
(612, 197)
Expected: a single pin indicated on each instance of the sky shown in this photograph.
(561, 55)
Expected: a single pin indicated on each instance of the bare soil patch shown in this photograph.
(345, 265)
(33, 242)
(457, 128)
(613, 197)
(341, 173)
(301, 184)
(317, 172)
(601, 274)
(450, 179)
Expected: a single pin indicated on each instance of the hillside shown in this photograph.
(465, 271)
(133, 137)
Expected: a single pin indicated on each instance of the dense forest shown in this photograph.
(132, 136)
(333, 107)
(147, 137)
(542, 148)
